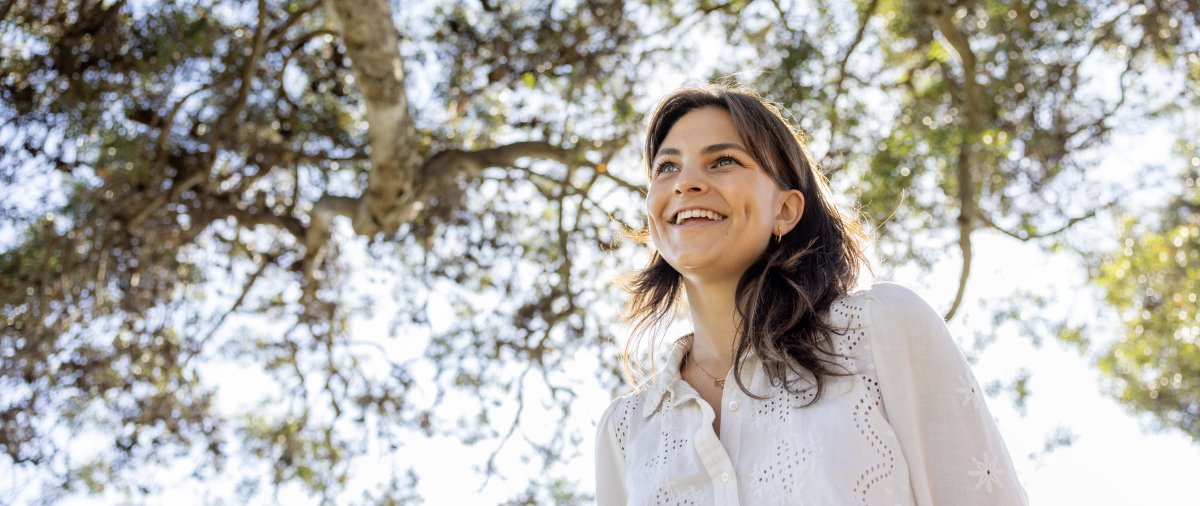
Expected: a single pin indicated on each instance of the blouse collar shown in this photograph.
(669, 382)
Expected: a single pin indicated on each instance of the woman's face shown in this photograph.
(712, 207)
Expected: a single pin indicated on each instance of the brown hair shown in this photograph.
(783, 298)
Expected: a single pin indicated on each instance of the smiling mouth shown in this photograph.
(697, 214)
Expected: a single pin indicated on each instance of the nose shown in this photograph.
(690, 182)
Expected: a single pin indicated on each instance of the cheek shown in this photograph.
(656, 202)
(654, 209)
(761, 219)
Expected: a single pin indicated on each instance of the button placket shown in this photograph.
(732, 402)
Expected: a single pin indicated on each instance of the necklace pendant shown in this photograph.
(720, 383)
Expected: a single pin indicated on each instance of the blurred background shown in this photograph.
(365, 251)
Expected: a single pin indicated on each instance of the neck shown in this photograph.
(714, 318)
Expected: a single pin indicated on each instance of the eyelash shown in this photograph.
(660, 165)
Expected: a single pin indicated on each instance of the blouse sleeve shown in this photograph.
(610, 461)
(954, 451)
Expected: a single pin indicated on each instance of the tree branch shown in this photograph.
(783, 15)
(6, 8)
(292, 19)
(965, 225)
(251, 219)
(319, 229)
(164, 134)
(722, 6)
(839, 85)
(266, 262)
(942, 17)
(219, 133)
(373, 44)
(259, 44)
(1023, 236)
(443, 169)
(490, 466)
(297, 47)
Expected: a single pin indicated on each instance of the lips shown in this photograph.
(687, 214)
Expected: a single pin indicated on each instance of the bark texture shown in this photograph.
(373, 44)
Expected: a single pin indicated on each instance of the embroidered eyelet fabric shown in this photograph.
(907, 427)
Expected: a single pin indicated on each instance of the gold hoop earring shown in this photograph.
(779, 236)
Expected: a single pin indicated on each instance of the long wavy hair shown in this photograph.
(784, 297)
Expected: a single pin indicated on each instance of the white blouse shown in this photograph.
(910, 426)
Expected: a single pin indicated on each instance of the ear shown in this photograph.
(791, 209)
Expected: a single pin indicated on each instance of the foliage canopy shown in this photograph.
(176, 174)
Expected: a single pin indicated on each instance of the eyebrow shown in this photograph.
(709, 149)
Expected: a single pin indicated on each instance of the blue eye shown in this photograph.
(665, 166)
(725, 161)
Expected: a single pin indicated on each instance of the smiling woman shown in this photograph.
(702, 170)
(842, 397)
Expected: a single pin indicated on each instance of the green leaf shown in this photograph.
(937, 52)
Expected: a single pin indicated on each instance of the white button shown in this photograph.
(724, 476)
(733, 406)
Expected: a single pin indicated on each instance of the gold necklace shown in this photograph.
(720, 383)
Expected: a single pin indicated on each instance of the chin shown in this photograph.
(701, 268)
(688, 262)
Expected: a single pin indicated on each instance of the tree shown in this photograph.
(1153, 280)
(950, 119)
(175, 171)
(213, 144)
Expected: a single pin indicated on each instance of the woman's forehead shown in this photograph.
(699, 129)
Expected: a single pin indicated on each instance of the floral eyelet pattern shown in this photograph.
(908, 386)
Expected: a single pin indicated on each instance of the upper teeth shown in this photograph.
(697, 213)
